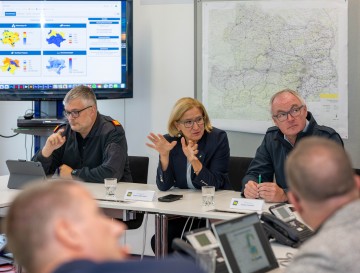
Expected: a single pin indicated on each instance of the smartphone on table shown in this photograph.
(170, 197)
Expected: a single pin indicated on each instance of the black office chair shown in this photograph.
(139, 166)
(237, 170)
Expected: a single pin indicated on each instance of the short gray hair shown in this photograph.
(290, 91)
(83, 92)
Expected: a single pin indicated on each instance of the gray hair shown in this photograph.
(290, 91)
(83, 92)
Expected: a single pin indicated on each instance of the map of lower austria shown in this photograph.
(10, 65)
(10, 38)
(251, 49)
(55, 38)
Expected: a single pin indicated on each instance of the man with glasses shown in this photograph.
(265, 176)
(89, 146)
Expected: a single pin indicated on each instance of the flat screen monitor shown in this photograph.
(48, 47)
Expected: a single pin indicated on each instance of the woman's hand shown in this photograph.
(160, 144)
(191, 150)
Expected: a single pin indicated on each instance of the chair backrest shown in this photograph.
(237, 170)
(139, 166)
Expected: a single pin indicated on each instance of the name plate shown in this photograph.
(247, 204)
(137, 195)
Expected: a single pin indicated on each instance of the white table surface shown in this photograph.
(6, 195)
(189, 205)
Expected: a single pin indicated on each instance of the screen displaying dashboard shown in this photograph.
(49, 47)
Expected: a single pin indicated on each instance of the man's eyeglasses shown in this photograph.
(190, 123)
(294, 112)
(75, 113)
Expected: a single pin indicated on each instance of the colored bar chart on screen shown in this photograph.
(70, 65)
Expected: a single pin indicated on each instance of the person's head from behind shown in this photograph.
(320, 178)
(52, 223)
(289, 111)
(189, 118)
(80, 108)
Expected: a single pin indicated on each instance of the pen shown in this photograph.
(115, 200)
(259, 179)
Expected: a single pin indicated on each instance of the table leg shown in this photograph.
(158, 249)
(164, 235)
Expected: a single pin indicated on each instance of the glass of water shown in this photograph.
(110, 187)
(208, 196)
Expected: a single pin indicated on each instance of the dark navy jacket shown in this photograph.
(270, 156)
(168, 265)
(102, 154)
(214, 154)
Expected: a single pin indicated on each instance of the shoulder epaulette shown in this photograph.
(115, 122)
(58, 127)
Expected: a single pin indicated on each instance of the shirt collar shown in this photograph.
(305, 129)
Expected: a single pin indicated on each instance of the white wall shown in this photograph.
(12, 148)
(163, 71)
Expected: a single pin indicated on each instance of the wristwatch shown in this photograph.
(74, 172)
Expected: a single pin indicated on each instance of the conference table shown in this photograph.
(190, 206)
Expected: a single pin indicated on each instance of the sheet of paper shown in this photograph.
(138, 195)
(247, 204)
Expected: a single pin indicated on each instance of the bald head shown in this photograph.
(319, 169)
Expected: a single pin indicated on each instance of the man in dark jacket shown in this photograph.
(265, 176)
(90, 146)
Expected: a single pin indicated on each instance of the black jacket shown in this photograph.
(270, 156)
(102, 154)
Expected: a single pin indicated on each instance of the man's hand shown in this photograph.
(65, 171)
(55, 141)
(251, 190)
(271, 192)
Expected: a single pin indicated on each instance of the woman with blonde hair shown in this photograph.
(193, 153)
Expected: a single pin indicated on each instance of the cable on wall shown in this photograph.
(9, 136)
